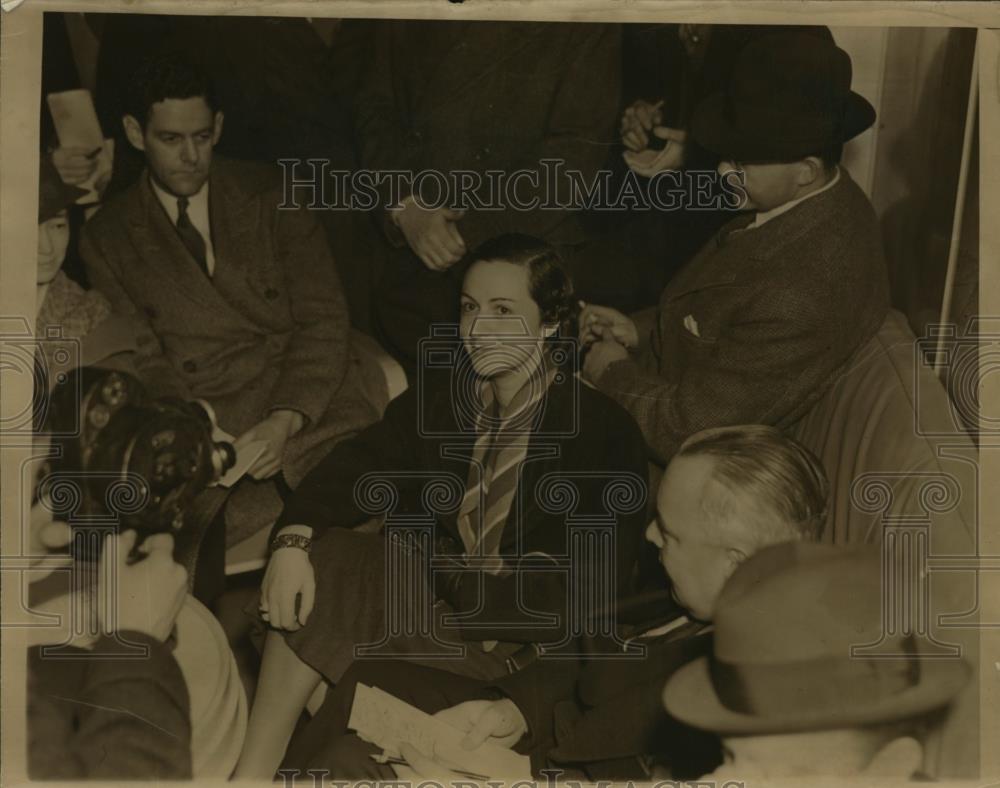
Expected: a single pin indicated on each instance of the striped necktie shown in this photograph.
(497, 457)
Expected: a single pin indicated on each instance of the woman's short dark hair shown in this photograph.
(549, 283)
(167, 76)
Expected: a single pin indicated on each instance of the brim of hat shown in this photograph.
(712, 130)
(67, 196)
(690, 697)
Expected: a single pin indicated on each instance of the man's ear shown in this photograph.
(217, 131)
(652, 534)
(810, 170)
(736, 557)
(133, 131)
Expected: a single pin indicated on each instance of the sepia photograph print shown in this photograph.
(447, 394)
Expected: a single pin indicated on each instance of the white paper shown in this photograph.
(75, 119)
(387, 721)
(246, 456)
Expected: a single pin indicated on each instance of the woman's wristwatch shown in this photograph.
(291, 540)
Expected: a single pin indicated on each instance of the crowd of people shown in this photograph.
(626, 377)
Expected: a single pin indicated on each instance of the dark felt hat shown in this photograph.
(789, 96)
(793, 650)
(53, 194)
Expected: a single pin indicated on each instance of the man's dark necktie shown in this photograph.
(190, 236)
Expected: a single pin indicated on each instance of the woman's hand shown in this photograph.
(289, 574)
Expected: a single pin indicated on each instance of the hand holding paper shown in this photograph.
(498, 722)
(84, 158)
(75, 164)
(247, 453)
(389, 722)
(274, 432)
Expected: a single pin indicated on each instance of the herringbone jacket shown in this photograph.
(755, 328)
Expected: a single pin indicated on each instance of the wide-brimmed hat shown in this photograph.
(791, 652)
(53, 194)
(789, 96)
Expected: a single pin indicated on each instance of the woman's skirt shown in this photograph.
(374, 600)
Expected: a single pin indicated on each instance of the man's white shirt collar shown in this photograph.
(766, 216)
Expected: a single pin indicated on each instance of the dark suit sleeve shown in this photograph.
(316, 357)
(151, 365)
(622, 710)
(752, 365)
(582, 122)
(326, 496)
(377, 126)
(121, 718)
(536, 691)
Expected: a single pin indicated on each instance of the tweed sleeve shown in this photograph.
(744, 376)
(151, 364)
(317, 356)
(645, 322)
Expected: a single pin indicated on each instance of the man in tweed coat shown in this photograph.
(770, 311)
(232, 300)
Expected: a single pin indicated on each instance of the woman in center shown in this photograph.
(497, 502)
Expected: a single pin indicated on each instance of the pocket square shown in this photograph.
(692, 325)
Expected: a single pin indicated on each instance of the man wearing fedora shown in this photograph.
(803, 681)
(728, 493)
(757, 325)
